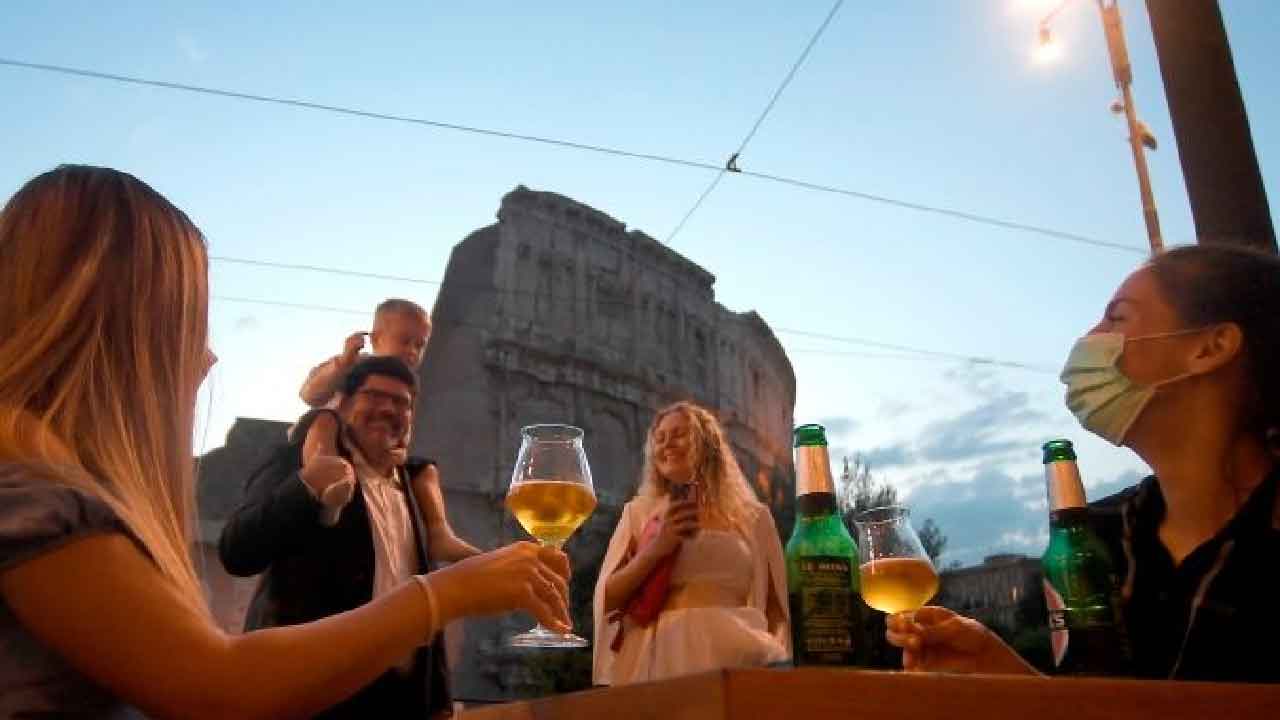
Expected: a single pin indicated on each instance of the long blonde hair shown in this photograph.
(716, 469)
(103, 335)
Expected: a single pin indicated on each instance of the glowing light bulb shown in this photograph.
(1048, 50)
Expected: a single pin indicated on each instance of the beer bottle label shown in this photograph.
(1058, 632)
(825, 607)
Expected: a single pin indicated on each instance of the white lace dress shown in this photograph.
(743, 571)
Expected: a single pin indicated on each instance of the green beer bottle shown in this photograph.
(1085, 631)
(822, 562)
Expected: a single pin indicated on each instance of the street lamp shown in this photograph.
(1047, 49)
(1140, 136)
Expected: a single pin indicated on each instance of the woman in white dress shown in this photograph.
(727, 601)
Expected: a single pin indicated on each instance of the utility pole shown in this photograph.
(1215, 145)
(1123, 73)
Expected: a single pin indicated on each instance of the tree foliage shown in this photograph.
(1030, 634)
(858, 490)
(933, 540)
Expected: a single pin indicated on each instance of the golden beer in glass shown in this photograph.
(551, 495)
(896, 573)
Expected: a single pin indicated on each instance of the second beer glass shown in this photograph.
(896, 573)
(550, 495)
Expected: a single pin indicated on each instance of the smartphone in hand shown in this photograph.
(684, 492)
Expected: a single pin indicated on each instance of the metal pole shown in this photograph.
(1123, 72)
(1210, 124)
(1144, 177)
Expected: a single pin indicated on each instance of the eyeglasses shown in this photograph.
(399, 402)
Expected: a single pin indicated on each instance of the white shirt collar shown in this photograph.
(366, 471)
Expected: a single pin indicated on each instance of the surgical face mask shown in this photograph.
(1104, 399)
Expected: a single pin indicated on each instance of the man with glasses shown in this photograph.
(345, 529)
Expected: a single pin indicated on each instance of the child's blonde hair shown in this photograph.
(394, 306)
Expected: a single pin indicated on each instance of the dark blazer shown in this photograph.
(310, 572)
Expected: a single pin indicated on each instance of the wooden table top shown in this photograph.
(811, 693)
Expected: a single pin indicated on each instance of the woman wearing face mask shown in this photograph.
(726, 606)
(1184, 369)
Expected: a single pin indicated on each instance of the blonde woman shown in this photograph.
(103, 344)
(727, 601)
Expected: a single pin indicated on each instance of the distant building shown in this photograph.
(991, 592)
(219, 490)
(558, 313)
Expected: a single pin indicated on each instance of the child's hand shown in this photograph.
(352, 347)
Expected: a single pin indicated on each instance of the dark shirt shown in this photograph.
(1212, 616)
(38, 516)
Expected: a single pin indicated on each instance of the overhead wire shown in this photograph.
(731, 165)
(697, 204)
(484, 289)
(292, 305)
(791, 74)
(320, 269)
(308, 105)
(670, 160)
(586, 301)
(950, 212)
(866, 342)
(975, 359)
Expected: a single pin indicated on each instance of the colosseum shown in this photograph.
(555, 313)
(558, 313)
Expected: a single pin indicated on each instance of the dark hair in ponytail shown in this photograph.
(1208, 284)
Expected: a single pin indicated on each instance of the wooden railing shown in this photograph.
(813, 694)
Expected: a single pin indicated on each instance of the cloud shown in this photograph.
(191, 49)
(839, 425)
(981, 515)
(1099, 490)
(971, 375)
(992, 511)
(1030, 543)
(247, 323)
(889, 456)
(893, 408)
(974, 467)
(988, 429)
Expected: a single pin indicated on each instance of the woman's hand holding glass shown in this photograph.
(520, 576)
(551, 495)
(896, 573)
(935, 639)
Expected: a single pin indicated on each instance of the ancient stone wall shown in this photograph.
(558, 314)
(220, 479)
